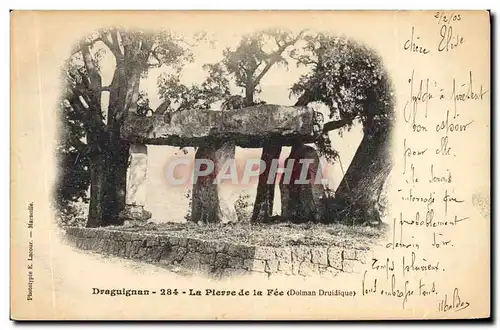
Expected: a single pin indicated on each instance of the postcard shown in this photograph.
(250, 165)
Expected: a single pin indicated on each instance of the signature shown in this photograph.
(456, 304)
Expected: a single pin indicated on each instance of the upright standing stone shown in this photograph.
(227, 211)
(303, 202)
(263, 206)
(288, 191)
(135, 198)
(207, 205)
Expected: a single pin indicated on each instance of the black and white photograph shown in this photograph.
(265, 159)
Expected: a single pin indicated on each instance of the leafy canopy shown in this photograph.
(349, 78)
(82, 80)
(242, 67)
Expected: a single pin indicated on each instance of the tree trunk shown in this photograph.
(127, 93)
(97, 205)
(249, 101)
(357, 196)
(263, 206)
(118, 158)
(109, 165)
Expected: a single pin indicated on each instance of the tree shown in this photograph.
(73, 164)
(248, 64)
(206, 206)
(350, 79)
(180, 97)
(134, 53)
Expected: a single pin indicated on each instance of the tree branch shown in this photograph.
(276, 55)
(277, 40)
(93, 73)
(114, 37)
(86, 43)
(90, 117)
(93, 76)
(336, 124)
(155, 55)
(302, 59)
(78, 144)
(113, 45)
(274, 59)
(303, 100)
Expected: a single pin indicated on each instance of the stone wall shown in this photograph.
(217, 258)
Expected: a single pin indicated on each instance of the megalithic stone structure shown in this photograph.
(215, 134)
(263, 206)
(249, 127)
(303, 201)
(207, 204)
(135, 199)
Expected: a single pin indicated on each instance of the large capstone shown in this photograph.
(250, 127)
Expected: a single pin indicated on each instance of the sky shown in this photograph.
(162, 200)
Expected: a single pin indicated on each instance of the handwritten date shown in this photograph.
(448, 18)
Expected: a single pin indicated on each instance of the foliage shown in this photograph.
(346, 76)
(143, 107)
(243, 207)
(244, 66)
(146, 49)
(216, 86)
(74, 213)
(250, 61)
(73, 164)
(213, 89)
(350, 79)
(80, 110)
(188, 195)
(275, 235)
(324, 147)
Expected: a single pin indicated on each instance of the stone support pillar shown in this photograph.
(135, 199)
(303, 202)
(263, 206)
(208, 202)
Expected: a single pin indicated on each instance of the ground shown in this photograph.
(275, 235)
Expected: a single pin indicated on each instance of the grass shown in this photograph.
(275, 235)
